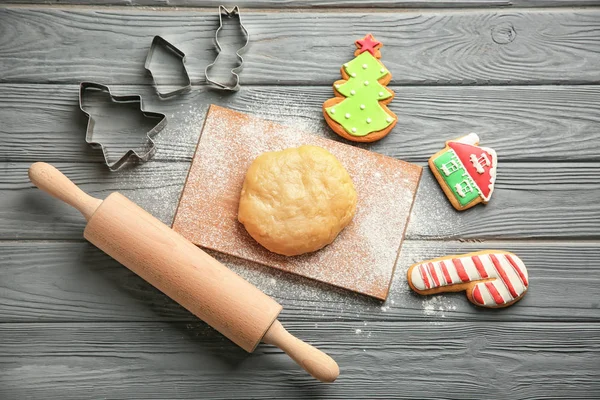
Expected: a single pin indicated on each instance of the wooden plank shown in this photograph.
(421, 47)
(324, 4)
(156, 186)
(73, 281)
(379, 361)
(526, 123)
(531, 200)
(530, 209)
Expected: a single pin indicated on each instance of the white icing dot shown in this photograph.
(353, 129)
(346, 65)
(380, 94)
(353, 75)
(347, 115)
(388, 119)
(362, 106)
(365, 66)
(337, 86)
(332, 111)
(352, 92)
(382, 70)
(368, 120)
(366, 83)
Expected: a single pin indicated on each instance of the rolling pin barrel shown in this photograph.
(182, 271)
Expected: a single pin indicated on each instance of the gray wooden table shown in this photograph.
(523, 74)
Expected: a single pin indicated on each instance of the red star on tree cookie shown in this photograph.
(368, 43)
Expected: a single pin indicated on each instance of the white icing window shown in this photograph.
(449, 167)
(480, 162)
(463, 188)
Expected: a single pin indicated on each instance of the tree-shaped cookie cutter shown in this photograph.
(131, 154)
(157, 42)
(235, 12)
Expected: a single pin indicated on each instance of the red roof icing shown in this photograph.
(485, 181)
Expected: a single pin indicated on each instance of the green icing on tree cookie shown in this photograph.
(360, 113)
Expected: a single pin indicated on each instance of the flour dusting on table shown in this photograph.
(363, 256)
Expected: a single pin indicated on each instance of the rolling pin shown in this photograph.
(182, 271)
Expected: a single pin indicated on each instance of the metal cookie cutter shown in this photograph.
(160, 42)
(131, 153)
(235, 12)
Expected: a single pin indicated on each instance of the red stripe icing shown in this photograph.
(503, 275)
(479, 266)
(477, 295)
(424, 276)
(433, 274)
(460, 270)
(447, 276)
(494, 292)
(516, 267)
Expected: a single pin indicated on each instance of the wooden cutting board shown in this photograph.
(363, 256)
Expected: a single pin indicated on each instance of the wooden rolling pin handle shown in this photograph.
(313, 360)
(53, 182)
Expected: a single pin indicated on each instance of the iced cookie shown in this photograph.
(491, 278)
(296, 200)
(465, 171)
(358, 111)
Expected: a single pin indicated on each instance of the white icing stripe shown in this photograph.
(501, 281)
(440, 273)
(470, 268)
(442, 276)
(493, 168)
(493, 273)
(452, 271)
(511, 274)
(485, 294)
(488, 265)
(502, 289)
(429, 277)
(416, 279)
(522, 267)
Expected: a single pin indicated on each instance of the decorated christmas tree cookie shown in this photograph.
(358, 111)
(465, 171)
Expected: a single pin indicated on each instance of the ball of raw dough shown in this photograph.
(296, 200)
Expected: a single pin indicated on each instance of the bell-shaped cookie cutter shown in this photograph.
(131, 153)
(224, 12)
(157, 42)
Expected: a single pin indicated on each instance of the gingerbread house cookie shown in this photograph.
(465, 171)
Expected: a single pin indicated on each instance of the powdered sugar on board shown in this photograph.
(363, 256)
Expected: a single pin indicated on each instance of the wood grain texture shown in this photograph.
(74, 281)
(75, 324)
(523, 123)
(384, 360)
(420, 47)
(157, 191)
(531, 200)
(324, 4)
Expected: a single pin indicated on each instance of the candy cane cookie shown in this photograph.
(491, 278)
